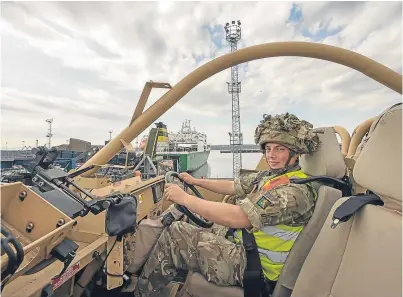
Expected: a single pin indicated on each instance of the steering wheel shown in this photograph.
(198, 221)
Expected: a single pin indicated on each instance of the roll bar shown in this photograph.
(365, 65)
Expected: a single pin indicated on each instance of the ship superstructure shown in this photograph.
(188, 146)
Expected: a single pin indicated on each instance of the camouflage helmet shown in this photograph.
(288, 130)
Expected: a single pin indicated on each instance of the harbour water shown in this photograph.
(220, 165)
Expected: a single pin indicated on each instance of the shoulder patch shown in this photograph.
(264, 202)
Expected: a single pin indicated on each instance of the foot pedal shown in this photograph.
(180, 278)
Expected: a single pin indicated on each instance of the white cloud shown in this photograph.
(85, 64)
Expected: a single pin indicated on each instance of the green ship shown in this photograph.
(188, 148)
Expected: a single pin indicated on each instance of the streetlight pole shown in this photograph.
(49, 135)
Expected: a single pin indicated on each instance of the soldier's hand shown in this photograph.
(175, 194)
(188, 178)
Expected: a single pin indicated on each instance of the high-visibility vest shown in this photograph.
(275, 242)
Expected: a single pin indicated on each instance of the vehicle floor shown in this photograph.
(103, 292)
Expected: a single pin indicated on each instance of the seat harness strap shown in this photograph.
(349, 207)
(253, 280)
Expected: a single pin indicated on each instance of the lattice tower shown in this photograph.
(233, 35)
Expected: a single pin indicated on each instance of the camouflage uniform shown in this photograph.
(165, 166)
(289, 204)
(184, 246)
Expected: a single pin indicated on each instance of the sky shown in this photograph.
(84, 64)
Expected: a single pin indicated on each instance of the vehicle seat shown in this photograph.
(328, 161)
(352, 159)
(363, 256)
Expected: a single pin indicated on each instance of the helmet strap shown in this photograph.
(292, 154)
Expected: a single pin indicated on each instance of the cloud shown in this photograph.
(85, 64)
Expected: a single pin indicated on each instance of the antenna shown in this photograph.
(49, 135)
(110, 135)
(233, 35)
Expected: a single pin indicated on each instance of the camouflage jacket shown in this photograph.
(288, 204)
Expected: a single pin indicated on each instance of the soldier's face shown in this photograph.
(277, 155)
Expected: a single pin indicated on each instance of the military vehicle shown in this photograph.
(72, 234)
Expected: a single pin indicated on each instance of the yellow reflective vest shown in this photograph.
(275, 242)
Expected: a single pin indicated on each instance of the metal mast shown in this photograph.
(233, 35)
(49, 135)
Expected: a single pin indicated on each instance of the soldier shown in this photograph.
(266, 205)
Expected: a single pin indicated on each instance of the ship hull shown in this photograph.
(188, 161)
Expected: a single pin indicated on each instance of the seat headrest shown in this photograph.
(379, 166)
(328, 159)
